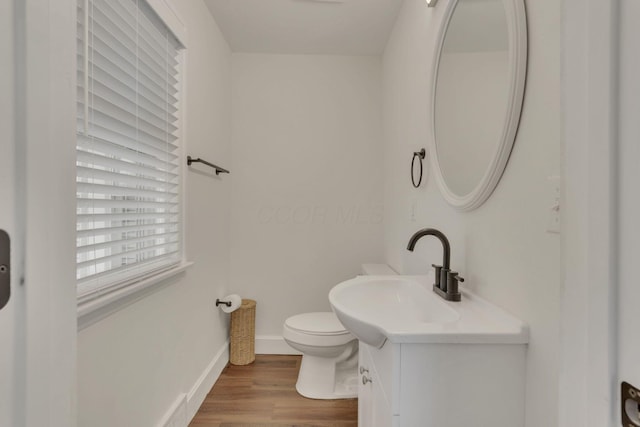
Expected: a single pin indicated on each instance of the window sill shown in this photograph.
(91, 311)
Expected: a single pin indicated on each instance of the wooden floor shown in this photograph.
(263, 394)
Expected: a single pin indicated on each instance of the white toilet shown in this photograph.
(329, 352)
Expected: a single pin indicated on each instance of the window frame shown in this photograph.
(95, 305)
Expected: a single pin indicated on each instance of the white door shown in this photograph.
(629, 212)
(37, 209)
(11, 380)
(602, 221)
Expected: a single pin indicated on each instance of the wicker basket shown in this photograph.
(243, 334)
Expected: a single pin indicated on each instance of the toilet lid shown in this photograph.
(317, 324)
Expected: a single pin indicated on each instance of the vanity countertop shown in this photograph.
(404, 309)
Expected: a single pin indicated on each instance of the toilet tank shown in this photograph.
(377, 270)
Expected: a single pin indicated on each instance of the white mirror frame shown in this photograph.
(517, 31)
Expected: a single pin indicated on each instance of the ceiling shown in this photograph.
(333, 27)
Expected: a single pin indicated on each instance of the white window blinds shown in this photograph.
(128, 180)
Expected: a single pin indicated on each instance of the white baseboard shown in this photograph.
(176, 416)
(203, 385)
(273, 344)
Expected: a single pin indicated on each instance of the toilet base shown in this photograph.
(323, 378)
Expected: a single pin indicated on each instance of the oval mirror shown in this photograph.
(480, 72)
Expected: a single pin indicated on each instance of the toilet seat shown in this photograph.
(316, 324)
(316, 330)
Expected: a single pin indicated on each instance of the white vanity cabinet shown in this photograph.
(441, 385)
(427, 362)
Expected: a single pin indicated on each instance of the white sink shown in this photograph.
(404, 309)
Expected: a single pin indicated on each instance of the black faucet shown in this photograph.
(446, 280)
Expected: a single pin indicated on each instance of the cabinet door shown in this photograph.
(381, 410)
(374, 409)
(365, 398)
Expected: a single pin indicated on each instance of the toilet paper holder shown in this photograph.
(229, 303)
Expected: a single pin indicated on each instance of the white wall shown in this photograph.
(502, 248)
(133, 365)
(307, 187)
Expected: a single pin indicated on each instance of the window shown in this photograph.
(128, 170)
